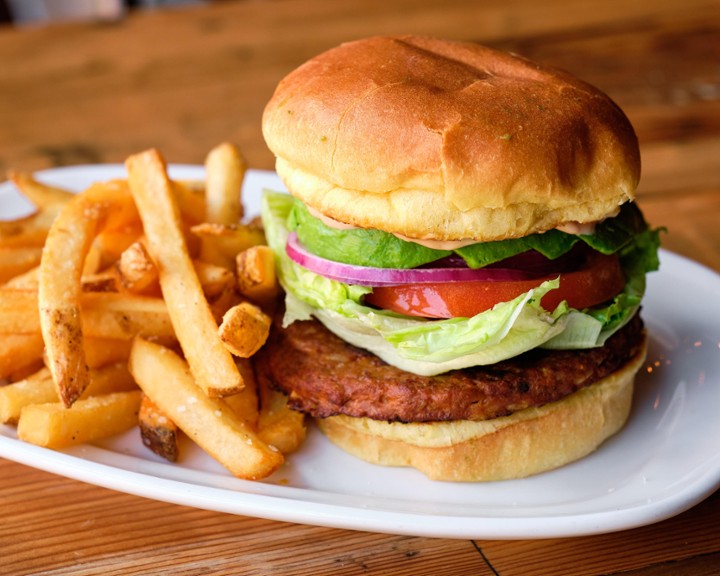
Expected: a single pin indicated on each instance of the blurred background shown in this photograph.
(22, 12)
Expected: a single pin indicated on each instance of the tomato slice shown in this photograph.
(596, 280)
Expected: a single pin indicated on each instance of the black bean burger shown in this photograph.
(461, 254)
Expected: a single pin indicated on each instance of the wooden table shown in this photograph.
(184, 80)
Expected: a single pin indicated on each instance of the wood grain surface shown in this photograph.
(183, 80)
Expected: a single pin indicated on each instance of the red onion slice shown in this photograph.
(369, 276)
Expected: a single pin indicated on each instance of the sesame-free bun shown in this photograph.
(528, 442)
(434, 139)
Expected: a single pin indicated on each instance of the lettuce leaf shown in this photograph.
(366, 247)
(429, 347)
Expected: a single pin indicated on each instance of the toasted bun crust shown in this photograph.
(444, 140)
(528, 442)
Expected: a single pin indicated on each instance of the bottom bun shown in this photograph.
(528, 442)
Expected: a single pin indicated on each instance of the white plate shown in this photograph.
(664, 461)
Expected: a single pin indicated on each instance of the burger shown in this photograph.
(462, 258)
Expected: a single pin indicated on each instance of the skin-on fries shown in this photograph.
(60, 287)
(129, 280)
(196, 329)
(209, 422)
(157, 431)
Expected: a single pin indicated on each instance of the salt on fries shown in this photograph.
(210, 361)
(140, 303)
(208, 421)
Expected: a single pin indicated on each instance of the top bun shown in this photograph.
(433, 139)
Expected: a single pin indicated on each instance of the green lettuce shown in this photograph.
(429, 347)
(368, 247)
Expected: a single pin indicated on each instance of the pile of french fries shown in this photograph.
(140, 302)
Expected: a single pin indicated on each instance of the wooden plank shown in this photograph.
(86, 530)
(689, 537)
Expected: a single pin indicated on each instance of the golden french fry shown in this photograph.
(54, 425)
(224, 173)
(190, 202)
(19, 353)
(25, 281)
(28, 231)
(278, 425)
(221, 303)
(15, 261)
(102, 315)
(39, 388)
(244, 329)
(60, 288)
(39, 193)
(212, 365)
(245, 403)
(106, 281)
(256, 276)
(110, 244)
(215, 280)
(136, 270)
(209, 422)
(221, 243)
(100, 352)
(157, 431)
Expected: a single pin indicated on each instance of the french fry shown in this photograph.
(39, 193)
(25, 281)
(39, 388)
(212, 365)
(28, 231)
(157, 431)
(215, 280)
(245, 404)
(102, 315)
(149, 279)
(256, 276)
(190, 202)
(244, 329)
(278, 425)
(60, 288)
(209, 422)
(54, 425)
(110, 244)
(18, 260)
(224, 173)
(221, 243)
(100, 352)
(19, 353)
(136, 270)
(106, 281)
(220, 304)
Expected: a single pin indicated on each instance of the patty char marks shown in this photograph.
(325, 376)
